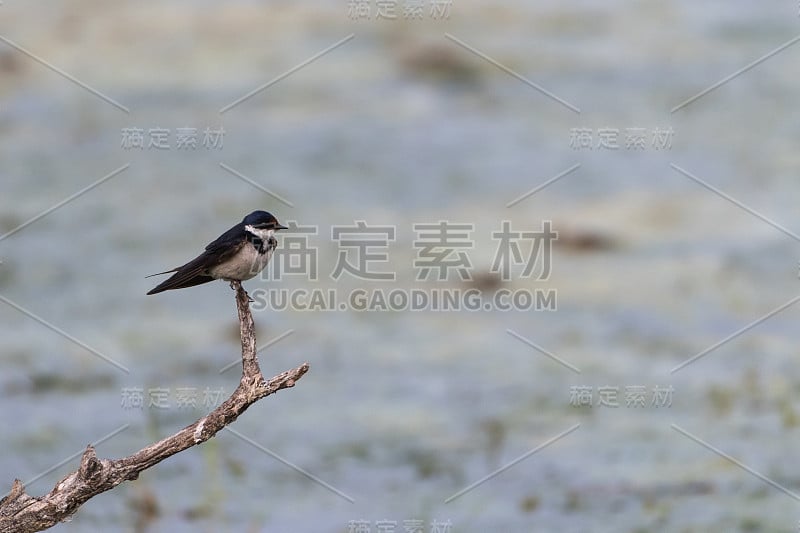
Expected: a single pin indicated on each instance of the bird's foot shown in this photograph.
(233, 287)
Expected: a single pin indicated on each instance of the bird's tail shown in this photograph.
(159, 273)
(180, 283)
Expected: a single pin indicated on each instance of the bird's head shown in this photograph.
(261, 221)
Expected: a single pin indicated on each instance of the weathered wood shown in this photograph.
(22, 513)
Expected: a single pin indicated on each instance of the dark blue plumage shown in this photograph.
(238, 254)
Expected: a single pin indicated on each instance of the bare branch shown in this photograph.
(22, 513)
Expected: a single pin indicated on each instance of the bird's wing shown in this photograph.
(196, 271)
(218, 251)
(229, 239)
(200, 265)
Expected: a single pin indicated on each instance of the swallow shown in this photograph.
(238, 254)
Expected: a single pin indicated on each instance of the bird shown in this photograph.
(238, 254)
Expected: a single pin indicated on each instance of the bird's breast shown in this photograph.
(246, 264)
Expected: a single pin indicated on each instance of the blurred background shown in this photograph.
(448, 111)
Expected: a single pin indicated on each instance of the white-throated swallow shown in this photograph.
(238, 254)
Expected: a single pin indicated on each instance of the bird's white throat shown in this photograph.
(263, 234)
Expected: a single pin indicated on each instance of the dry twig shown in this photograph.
(22, 513)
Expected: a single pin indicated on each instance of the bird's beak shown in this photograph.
(280, 226)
